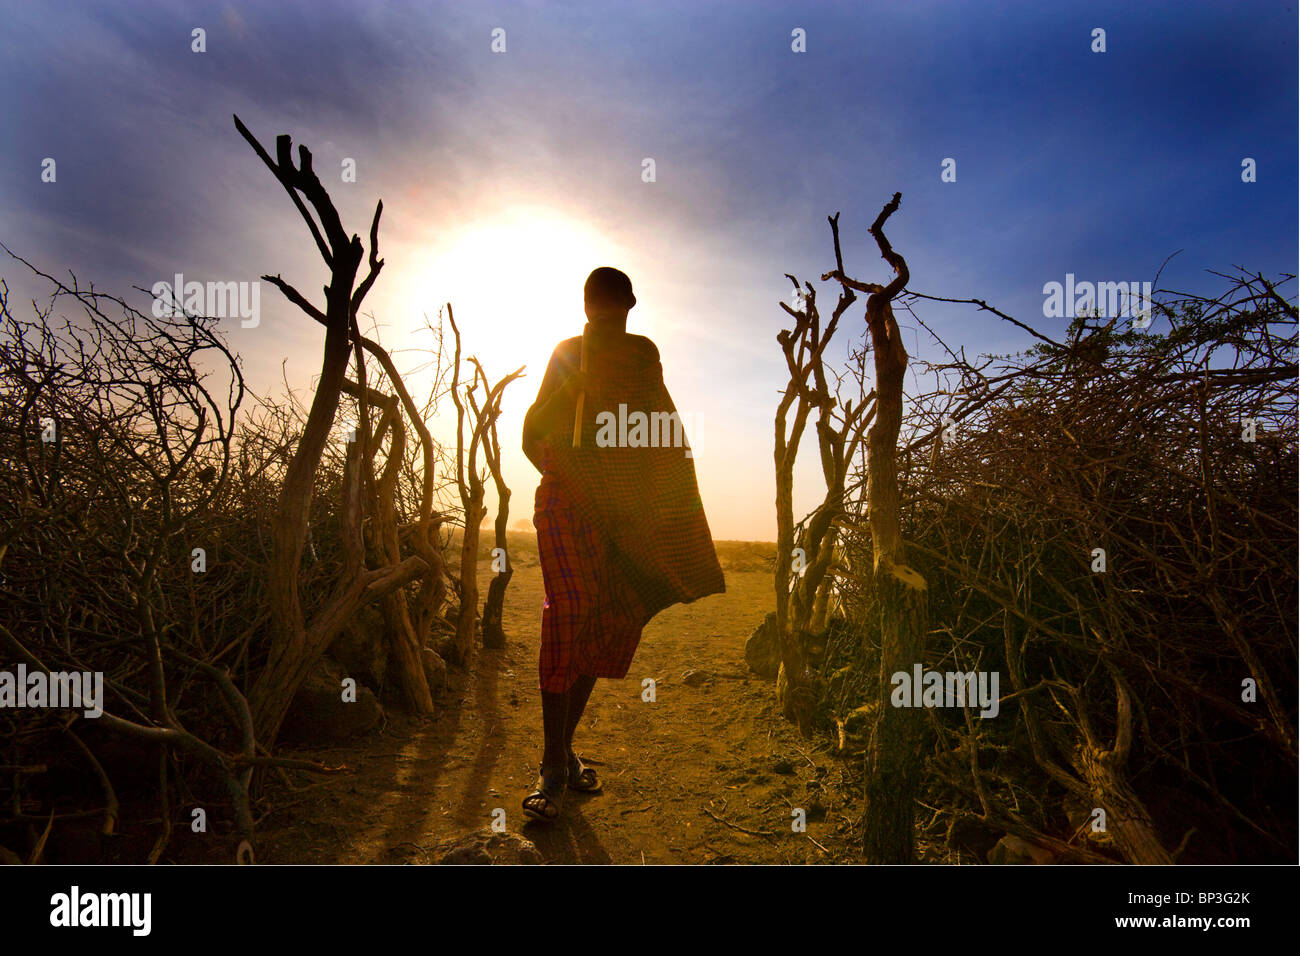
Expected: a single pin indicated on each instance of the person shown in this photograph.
(621, 532)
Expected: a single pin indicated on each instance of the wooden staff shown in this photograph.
(577, 411)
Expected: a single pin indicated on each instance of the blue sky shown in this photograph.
(507, 176)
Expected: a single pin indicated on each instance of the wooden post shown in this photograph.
(895, 757)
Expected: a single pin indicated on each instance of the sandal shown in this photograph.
(581, 777)
(546, 800)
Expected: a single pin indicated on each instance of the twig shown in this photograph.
(737, 826)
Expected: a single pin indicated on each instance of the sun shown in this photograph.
(516, 284)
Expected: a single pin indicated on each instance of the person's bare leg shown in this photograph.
(578, 696)
(547, 793)
(556, 728)
(581, 777)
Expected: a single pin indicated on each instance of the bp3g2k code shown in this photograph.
(1158, 899)
(1235, 897)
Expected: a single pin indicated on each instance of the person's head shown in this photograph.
(607, 296)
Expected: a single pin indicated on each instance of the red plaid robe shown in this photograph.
(621, 531)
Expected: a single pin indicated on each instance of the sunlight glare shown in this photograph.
(516, 285)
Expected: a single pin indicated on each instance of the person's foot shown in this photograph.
(581, 777)
(547, 798)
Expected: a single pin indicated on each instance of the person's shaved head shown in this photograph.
(608, 290)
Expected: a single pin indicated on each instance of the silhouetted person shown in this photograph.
(621, 533)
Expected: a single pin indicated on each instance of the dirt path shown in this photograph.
(686, 776)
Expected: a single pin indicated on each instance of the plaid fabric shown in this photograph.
(591, 621)
(644, 500)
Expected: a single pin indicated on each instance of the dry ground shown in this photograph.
(706, 773)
